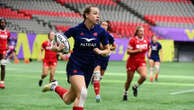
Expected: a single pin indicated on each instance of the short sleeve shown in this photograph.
(111, 39)
(43, 45)
(70, 32)
(104, 38)
(131, 44)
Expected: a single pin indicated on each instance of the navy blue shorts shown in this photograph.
(156, 59)
(84, 70)
(102, 62)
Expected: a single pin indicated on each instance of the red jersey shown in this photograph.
(4, 36)
(49, 55)
(136, 43)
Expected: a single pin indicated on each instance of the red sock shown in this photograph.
(156, 76)
(78, 108)
(97, 87)
(60, 91)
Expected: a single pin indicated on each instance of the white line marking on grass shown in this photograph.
(182, 92)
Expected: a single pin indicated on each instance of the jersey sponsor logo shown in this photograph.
(3, 36)
(88, 44)
(89, 40)
(141, 46)
(154, 47)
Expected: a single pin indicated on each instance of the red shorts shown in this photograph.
(134, 65)
(3, 52)
(49, 63)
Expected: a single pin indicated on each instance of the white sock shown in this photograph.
(125, 92)
(157, 69)
(136, 85)
(2, 82)
(151, 71)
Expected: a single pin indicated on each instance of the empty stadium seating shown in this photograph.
(42, 16)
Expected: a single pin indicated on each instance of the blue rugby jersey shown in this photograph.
(155, 47)
(85, 41)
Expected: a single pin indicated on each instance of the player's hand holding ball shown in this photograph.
(61, 43)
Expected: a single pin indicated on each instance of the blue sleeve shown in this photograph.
(111, 39)
(105, 38)
(70, 32)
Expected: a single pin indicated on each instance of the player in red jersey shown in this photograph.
(50, 59)
(4, 37)
(137, 48)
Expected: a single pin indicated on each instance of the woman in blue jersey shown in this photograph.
(87, 37)
(102, 62)
(154, 57)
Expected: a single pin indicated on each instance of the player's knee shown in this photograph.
(67, 101)
(97, 75)
(157, 68)
(151, 69)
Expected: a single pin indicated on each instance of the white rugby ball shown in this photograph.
(62, 39)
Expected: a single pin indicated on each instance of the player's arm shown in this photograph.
(40, 55)
(113, 47)
(104, 52)
(149, 52)
(131, 46)
(130, 51)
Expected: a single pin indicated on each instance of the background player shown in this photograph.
(50, 59)
(137, 47)
(87, 37)
(154, 57)
(102, 62)
(4, 37)
(11, 53)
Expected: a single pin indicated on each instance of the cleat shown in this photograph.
(134, 91)
(40, 82)
(98, 99)
(50, 87)
(125, 97)
(2, 85)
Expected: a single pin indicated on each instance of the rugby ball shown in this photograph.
(62, 39)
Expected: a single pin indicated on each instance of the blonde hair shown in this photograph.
(137, 29)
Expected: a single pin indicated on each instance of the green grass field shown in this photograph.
(23, 92)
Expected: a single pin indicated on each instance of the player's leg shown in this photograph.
(130, 75)
(96, 82)
(157, 68)
(76, 93)
(142, 70)
(151, 63)
(78, 83)
(3, 63)
(45, 70)
(52, 71)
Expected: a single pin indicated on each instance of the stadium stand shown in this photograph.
(42, 16)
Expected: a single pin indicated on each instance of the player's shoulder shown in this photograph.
(45, 42)
(99, 28)
(133, 39)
